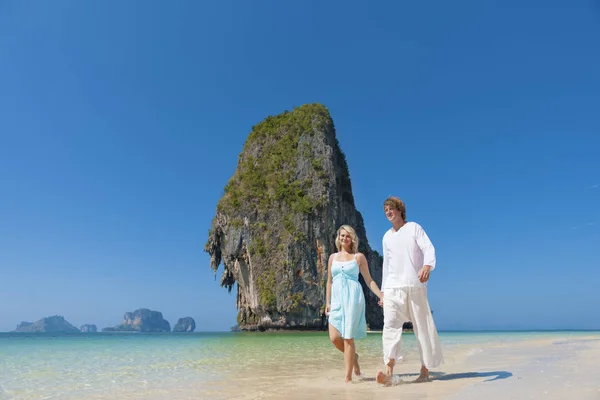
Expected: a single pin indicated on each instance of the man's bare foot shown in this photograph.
(356, 366)
(383, 378)
(348, 380)
(423, 376)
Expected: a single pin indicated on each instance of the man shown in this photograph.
(408, 259)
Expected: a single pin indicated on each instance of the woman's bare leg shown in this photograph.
(336, 338)
(349, 358)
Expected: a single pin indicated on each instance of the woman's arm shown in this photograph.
(328, 287)
(363, 265)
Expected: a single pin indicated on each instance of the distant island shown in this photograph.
(186, 324)
(54, 324)
(88, 328)
(141, 320)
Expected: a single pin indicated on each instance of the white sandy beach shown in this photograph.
(553, 368)
(487, 365)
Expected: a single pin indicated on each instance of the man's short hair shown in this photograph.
(396, 204)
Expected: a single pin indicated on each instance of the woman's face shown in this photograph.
(345, 239)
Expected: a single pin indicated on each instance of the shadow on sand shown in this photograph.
(400, 379)
(494, 376)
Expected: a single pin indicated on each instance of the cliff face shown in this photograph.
(142, 320)
(275, 225)
(56, 324)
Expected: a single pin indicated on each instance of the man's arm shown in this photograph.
(385, 268)
(426, 247)
(428, 253)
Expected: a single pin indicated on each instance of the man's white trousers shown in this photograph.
(410, 304)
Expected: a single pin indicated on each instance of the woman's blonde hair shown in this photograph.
(352, 234)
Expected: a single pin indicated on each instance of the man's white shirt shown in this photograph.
(405, 252)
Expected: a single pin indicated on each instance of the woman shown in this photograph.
(345, 302)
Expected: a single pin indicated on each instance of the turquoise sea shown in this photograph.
(189, 365)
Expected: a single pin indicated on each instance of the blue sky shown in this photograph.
(121, 122)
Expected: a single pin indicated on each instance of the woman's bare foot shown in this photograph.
(356, 366)
(383, 378)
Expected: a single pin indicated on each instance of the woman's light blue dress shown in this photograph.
(347, 312)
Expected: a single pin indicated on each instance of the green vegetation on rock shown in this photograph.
(266, 167)
(266, 289)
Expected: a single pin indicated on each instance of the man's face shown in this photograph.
(392, 214)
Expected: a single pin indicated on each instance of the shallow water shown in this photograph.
(197, 365)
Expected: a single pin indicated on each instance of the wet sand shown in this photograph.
(550, 368)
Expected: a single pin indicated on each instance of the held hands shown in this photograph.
(424, 273)
(327, 310)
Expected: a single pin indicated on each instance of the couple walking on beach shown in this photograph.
(408, 259)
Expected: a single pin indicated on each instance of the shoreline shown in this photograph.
(297, 331)
(294, 366)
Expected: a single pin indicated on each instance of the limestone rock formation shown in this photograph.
(186, 324)
(24, 327)
(275, 225)
(142, 320)
(53, 324)
(88, 328)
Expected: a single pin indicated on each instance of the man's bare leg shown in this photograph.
(423, 376)
(386, 379)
